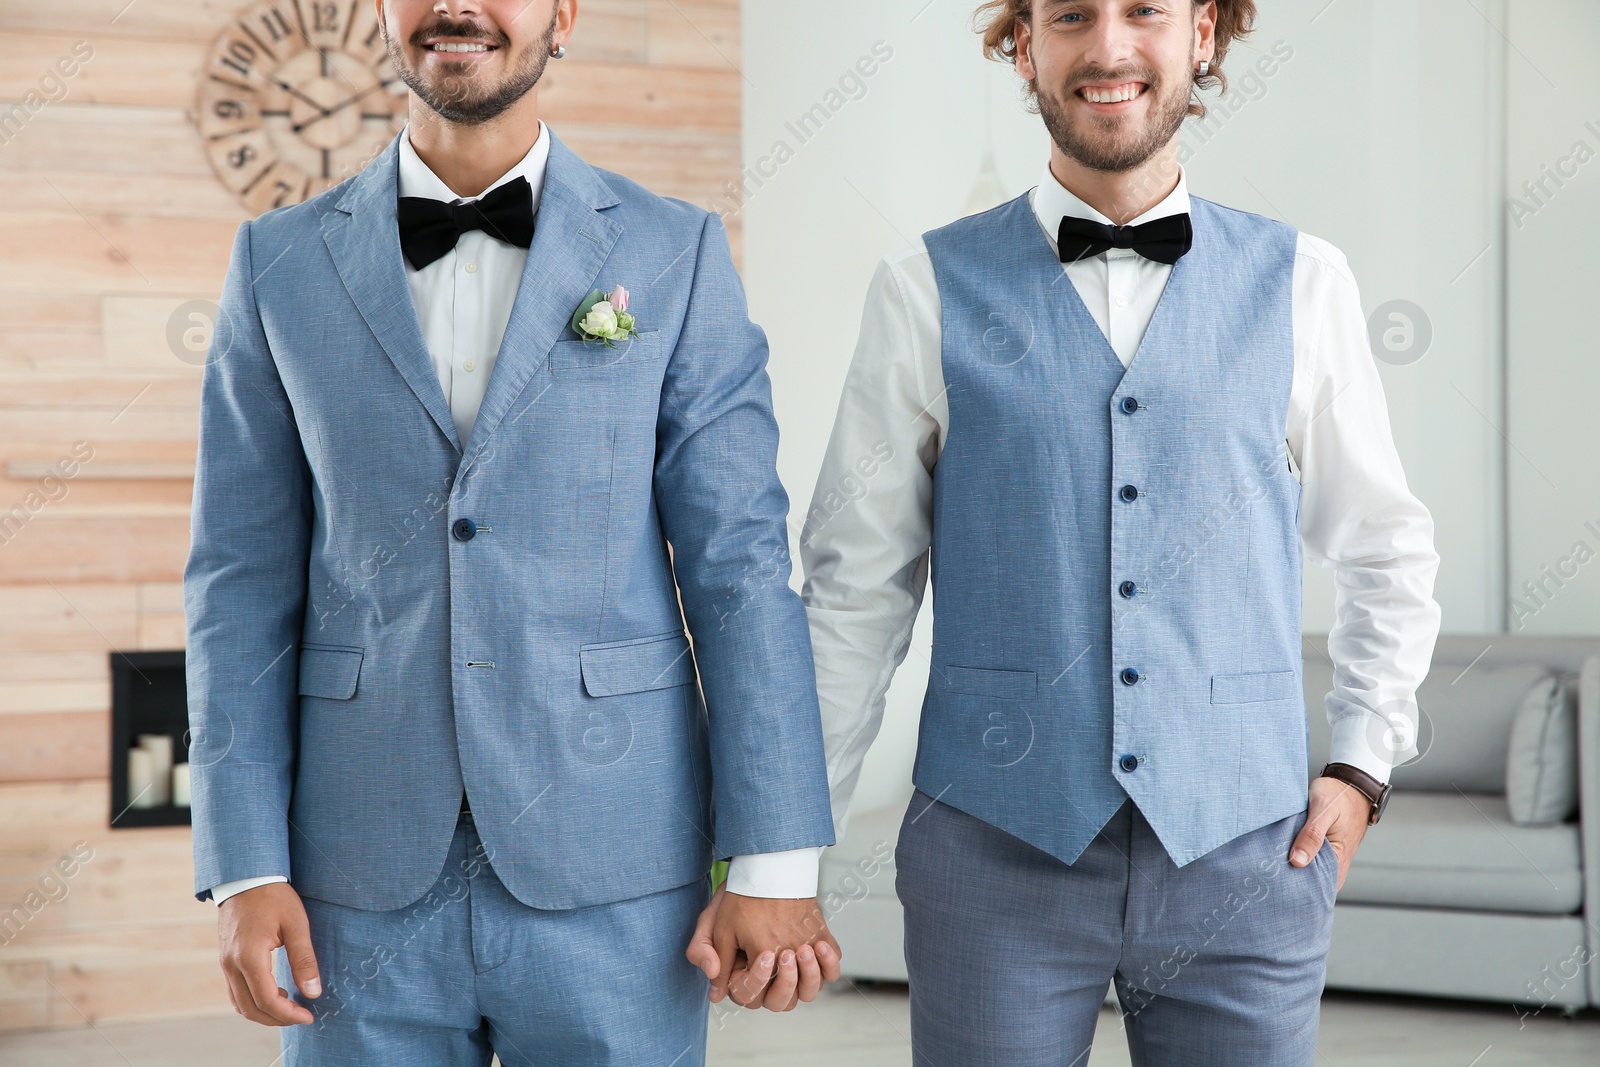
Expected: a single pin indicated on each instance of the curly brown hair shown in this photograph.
(997, 21)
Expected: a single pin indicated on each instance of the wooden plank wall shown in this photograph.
(110, 218)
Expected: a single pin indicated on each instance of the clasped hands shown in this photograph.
(764, 953)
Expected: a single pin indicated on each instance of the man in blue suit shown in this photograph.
(452, 512)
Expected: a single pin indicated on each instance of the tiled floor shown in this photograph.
(868, 1027)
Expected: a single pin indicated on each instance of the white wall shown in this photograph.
(1554, 383)
(1380, 132)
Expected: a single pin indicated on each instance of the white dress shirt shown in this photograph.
(464, 298)
(463, 302)
(868, 533)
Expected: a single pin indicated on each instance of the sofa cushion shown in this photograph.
(1542, 764)
(1463, 851)
(1466, 724)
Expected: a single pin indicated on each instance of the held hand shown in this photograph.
(249, 926)
(771, 953)
(1338, 812)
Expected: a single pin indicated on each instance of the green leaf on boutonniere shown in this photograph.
(583, 312)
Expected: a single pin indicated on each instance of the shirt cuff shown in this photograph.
(228, 889)
(790, 875)
(1353, 743)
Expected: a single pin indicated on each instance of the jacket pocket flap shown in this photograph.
(575, 354)
(1254, 688)
(330, 673)
(983, 682)
(659, 662)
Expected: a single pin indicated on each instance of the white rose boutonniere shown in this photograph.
(603, 318)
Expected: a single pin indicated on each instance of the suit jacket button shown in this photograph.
(1129, 493)
(1129, 405)
(1129, 676)
(463, 529)
(1128, 589)
(1129, 763)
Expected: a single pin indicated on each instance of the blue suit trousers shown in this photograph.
(468, 971)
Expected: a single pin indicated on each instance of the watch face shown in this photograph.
(295, 97)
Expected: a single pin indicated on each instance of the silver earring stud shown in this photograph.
(558, 52)
(1205, 69)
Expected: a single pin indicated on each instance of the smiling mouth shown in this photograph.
(1113, 94)
(459, 47)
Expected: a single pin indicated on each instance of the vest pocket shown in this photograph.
(1254, 688)
(636, 666)
(329, 671)
(986, 682)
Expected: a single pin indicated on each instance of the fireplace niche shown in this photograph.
(149, 699)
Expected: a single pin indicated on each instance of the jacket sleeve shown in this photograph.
(244, 597)
(724, 512)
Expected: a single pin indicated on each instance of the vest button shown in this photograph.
(1129, 763)
(1129, 676)
(1128, 589)
(1129, 405)
(1130, 493)
(463, 529)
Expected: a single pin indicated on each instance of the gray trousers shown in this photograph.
(1217, 964)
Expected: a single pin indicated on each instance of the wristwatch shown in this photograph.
(1375, 791)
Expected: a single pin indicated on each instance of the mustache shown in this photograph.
(466, 30)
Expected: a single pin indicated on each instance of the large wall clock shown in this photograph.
(295, 97)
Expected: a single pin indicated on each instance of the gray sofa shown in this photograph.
(1447, 897)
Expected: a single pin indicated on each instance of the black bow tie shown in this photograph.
(1163, 240)
(430, 228)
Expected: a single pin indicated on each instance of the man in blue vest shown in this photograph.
(1107, 417)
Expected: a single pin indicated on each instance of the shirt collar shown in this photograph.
(1052, 202)
(418, 179)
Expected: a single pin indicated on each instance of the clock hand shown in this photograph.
(330, 112)
(292, 91)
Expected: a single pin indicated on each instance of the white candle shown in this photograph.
(140, 786)
(180, 786)
(160, 748)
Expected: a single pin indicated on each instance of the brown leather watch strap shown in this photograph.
(1376, 792)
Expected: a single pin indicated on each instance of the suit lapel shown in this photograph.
(364, 240)
(571, 242)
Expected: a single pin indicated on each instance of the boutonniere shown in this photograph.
(604, 318)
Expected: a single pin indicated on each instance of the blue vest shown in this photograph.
(1116, 555)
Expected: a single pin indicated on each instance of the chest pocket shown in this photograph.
(1255, 688)
(574, 356)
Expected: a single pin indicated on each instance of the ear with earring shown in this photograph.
(558, 51)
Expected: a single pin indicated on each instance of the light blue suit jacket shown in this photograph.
(353, 662)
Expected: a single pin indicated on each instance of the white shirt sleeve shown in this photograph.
(229, 889)
(788, 875)
(1359, 518)
(864, 545)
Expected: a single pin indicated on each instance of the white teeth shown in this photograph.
(460, 48)
(1112, 96)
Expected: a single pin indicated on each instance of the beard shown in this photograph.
(1110, 143)
(461, 94)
